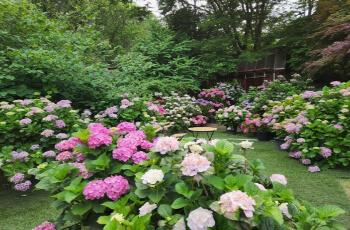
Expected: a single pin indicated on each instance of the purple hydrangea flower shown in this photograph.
(26, 102)
(61, 136)
(36, 146)
(64, 103)
(284, 146)
(19, 177)
(23, 186)
(314, 169)
(60, 124)
(47, 132)
(25, 121)
(305, 161)
(295, 154)
(326, 152)
(49, 154)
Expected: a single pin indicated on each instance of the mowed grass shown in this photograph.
(23, 211)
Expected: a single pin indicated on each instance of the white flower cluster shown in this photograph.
(152, 176)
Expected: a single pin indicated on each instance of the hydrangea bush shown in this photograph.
(128, 181)
(231, 116)
(180, 110)
(233, 91)
(29, 129)
(314, 126)
(134, 110)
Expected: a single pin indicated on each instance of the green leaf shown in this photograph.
(216, 181)
(330, 211)
(83, 134)
(142, 193)
(165, 210)
(242, 179)
(156, 195)
(223, 147)
(181, 188)
(103, 220)
(180, 203)
(67, 196)
(80, 209)
(275, 213)
(63, 169)
(102, 161)
(337, 150)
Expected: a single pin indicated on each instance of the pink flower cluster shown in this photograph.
(167, 144)
(127, 147)
(193, 164)
(345, 92)
(295, 154)
(126, 127)
(113, 186)
(308, 94)
(232, 201)
(212, 93)
(99, 135)
(67, 144)
(25, 121)
(45, 226)
(126, 103)
(64, 156)
(199, 120)
(47, 132)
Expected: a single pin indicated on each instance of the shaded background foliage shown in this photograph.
(93, 51)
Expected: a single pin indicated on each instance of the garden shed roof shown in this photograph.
(275, 61)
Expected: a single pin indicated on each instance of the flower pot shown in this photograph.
(278, 143)
(233, 130)
(264, 136)
(212, 120)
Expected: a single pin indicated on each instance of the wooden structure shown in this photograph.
(267, 68)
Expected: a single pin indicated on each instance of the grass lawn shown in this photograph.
(23, 211)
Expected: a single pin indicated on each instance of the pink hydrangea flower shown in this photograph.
(167, 144)
(260, 186)
(138, 136)
(49, 154)
(146, 145)
(127, 143)
(97, 139)
(95, 190)
(47, 133)
(305, 161)
(98, 128)
(45, 226)
(126, 127)
(193, 164)
(116, 186)
(339, 127)
(295, 154)
(335, 83)
(300, 140)
(278, 178)
(122, 154)
(230, 202)
(65, 145)
(139, 156)
(63, 156)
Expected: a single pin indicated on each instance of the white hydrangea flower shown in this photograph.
(278, 178)
(200, 219)
(147, 208)
(152, 176)
(246, 144)
(180, 224)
